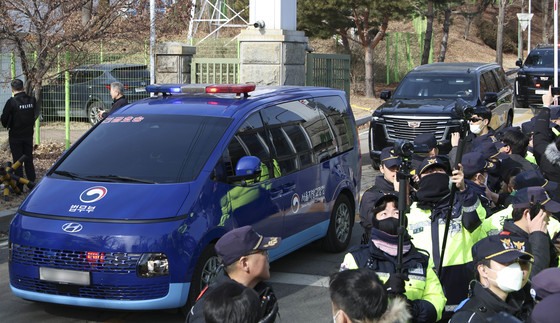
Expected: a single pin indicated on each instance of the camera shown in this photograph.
(555, 90)
(463, 109)
(403, 148)
(259, 24)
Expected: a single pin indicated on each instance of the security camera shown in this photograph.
(259, 24)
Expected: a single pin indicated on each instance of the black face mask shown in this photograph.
(389, 226)
(433, 187)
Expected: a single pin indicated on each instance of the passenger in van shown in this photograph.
(244, 256)
(384, 183)
(426, 225)
(423, 290)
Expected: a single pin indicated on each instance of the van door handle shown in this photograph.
(289, 187)
(275, 192)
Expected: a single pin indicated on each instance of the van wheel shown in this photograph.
(204, 274)
(340, 226)
(93, 112)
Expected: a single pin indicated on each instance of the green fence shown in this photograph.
(329, 70)
(215, 70)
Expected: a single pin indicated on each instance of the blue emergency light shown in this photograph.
(200, 88)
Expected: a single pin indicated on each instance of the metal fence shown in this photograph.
(329, 70)
(215, 70)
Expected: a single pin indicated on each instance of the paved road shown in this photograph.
(299, 279)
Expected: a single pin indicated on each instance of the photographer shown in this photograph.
(478, 129)
(426, 226)
(423, 290)
(529, 221)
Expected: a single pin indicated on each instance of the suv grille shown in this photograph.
(114, 262)
(409, 127)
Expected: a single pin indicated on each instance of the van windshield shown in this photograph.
(144, 149)
(437, 86)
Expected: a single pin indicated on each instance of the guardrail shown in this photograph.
(363, 120)
(512, 71)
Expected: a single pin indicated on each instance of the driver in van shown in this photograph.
(244, 256)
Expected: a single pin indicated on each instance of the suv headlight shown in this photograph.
(152, 265)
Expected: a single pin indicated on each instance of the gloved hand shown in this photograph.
(395, 284)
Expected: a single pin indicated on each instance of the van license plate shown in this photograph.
(64, 276)
(140, 89)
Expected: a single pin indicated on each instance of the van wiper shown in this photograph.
(118, 178)
(69, 174)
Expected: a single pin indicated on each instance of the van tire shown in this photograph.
(340, 227)
(203, 275)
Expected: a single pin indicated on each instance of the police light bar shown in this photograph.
(200, 88)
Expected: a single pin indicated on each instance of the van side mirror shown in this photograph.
(247, 168)
(490, 97)
(385, 95)
(519, 62)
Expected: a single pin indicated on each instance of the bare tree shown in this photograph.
(500, 35)
(40, 31)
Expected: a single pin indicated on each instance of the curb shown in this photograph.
(5, 219)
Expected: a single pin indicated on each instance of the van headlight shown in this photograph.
(152, 265)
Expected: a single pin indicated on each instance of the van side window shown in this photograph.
(339, 121)
(289, 124)
(249, 140)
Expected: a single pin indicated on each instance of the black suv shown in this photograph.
(89, 89)
(425, 101)
(535, 76)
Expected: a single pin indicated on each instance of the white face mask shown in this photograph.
(334, 317)
(476, 128)
(510, 278)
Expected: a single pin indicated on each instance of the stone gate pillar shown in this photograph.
(173, 62)
(272, 51)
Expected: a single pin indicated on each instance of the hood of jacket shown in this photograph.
(396, 312)
(552, 154)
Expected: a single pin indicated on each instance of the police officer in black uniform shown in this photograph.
(19, 116)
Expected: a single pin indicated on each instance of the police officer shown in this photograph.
(499, 264)
(19, 116)
(426, 226)
(244, 256)
(423, 289)
(384, 183)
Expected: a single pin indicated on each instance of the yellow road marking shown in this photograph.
(357, 107)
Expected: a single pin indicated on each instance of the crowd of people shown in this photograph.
(495, 204)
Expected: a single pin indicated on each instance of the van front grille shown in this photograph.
(409, 128)
(109, 292)
(113, 262)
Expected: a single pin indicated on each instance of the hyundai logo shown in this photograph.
(72, 227)
(93, 194)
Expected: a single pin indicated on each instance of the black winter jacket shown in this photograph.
(19, 115)
(483, 305)
(542, 247)
(196, 314)
(544, 148)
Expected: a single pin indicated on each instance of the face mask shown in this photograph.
(510, 278)
(433, 187)
(476, 128)
(389, 226)
(334, 317)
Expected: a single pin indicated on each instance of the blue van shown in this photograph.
(127, 218)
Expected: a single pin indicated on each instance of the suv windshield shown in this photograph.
(541, 58)
(426, 86)
(144, 149)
